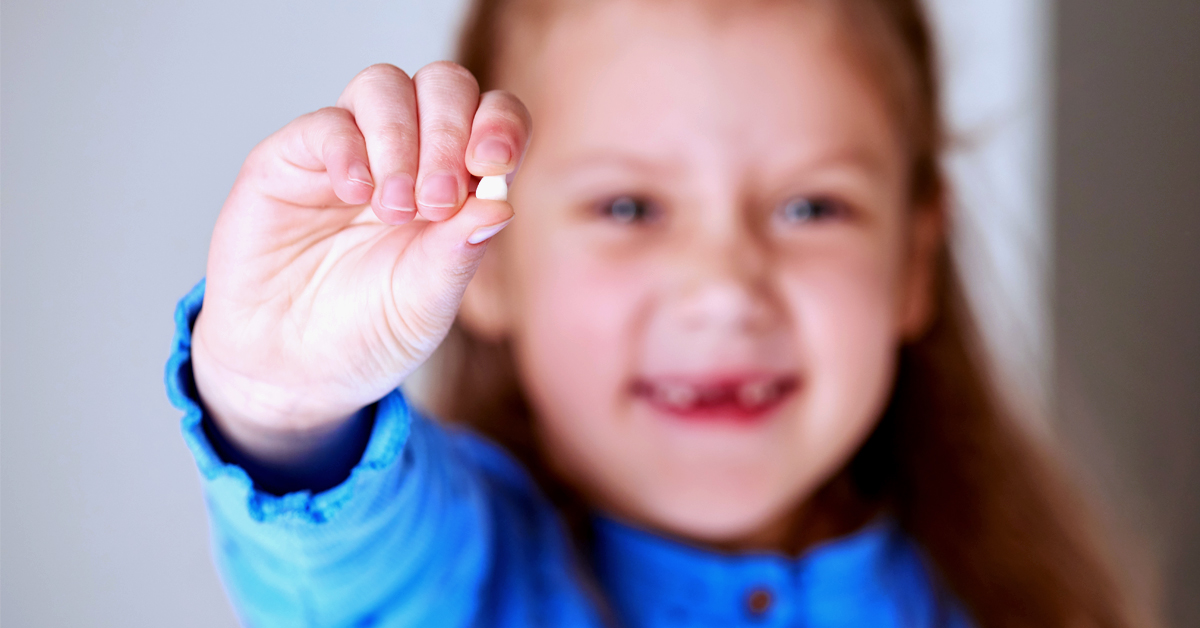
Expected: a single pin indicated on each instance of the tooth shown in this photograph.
(493, 188)
(756, 393)
(678, 395)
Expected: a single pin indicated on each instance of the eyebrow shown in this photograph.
(614, 159)
(856, 156)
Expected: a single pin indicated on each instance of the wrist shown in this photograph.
(312, 465)
(272, 423)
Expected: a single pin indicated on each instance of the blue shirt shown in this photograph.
(436, 526)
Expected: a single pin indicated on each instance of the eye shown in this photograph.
(627, 210)
(808, 209)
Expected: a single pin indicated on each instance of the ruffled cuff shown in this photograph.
(226, 482)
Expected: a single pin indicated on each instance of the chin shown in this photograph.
(717, 517)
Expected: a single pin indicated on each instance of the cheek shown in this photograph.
(574, 344)
(844, 316)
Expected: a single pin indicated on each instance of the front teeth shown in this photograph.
(754, 394)
(678, 395)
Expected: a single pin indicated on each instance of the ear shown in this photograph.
(485, 309)
(926, 237)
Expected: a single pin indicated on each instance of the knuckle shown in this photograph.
(506, 100)
(341, 140)
(398, 143)
(259, 166)
(381, 73)
(505, 122)
(259, 155)
(331, 127)
(443, 129)
(333, 116)
(395, 128)
(395, 139)
(446, 71)
(509, 108)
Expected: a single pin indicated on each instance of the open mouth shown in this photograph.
(741, 399)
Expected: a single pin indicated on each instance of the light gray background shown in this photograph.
(123, 126)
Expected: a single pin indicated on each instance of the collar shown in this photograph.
(872, 577)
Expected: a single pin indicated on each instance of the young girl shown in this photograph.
(722, 350)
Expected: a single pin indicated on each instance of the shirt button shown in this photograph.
(758, 601)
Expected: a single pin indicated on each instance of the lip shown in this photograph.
(745, 398)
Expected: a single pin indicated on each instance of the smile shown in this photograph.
(741, 399)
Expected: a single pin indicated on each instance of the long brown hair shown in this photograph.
(1003, 531)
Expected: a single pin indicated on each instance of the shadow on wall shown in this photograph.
(1127, 270)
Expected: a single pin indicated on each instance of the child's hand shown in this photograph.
(319, 304)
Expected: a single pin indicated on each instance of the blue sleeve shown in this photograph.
(405, 540)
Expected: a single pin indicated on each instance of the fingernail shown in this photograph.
(483, 233)
(398, 193)
(360, 173)
(439, 189)
(508, 178)
(493, 151)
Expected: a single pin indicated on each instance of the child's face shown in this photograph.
(714, 261)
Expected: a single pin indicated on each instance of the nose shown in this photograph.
(723, 283)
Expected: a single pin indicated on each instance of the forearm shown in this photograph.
(284, 445)
(407, 515)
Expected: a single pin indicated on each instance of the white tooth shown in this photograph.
(493, 188)
(677, 395)
(756, 393)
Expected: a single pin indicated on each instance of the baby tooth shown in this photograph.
(755, 393)
(492, 188)
(678, 395)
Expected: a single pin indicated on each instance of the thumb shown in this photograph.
(444, 258)
(455, 246)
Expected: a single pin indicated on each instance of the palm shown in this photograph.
(322, 297)
(323, 291)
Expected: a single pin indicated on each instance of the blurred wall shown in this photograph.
(1127, 269)
(995, 59)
